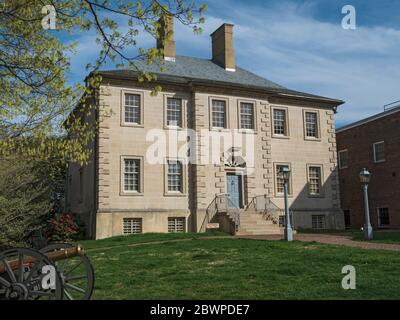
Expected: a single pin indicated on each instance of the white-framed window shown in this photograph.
(379, 151)
(280, 122)
(132, 108)
(131, 175)
(132, 225)
(174, 112)
(279, 182)
(318, 222)
(314, 180)
(383, 217)
(176, 224)
(246, 115)
(218, 113)
(311, 124)
(174, 176)
(343, 156)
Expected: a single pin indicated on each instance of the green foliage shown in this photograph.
(29, 193)
(36, 99)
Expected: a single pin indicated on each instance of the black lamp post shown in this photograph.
(365, 177)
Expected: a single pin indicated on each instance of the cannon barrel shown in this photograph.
(52, 256)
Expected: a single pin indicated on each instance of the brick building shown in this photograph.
(372, 143)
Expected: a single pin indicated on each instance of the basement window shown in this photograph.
(132, 225)
(176, 225)
(318, 222)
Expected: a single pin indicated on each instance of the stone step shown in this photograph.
(254, 233)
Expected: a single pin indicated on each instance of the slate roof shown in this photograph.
(187, 69)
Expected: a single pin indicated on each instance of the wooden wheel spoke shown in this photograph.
(68, 295)
(21, 268)
(76, 278)
(74, 268)
(71, 286)
(4, 282)
(10, 272)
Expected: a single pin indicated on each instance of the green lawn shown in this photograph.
(223, 268)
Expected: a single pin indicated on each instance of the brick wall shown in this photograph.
(384, 188)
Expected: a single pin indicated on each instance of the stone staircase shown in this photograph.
(255, 223)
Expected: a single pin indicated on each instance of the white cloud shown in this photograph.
(286, 44)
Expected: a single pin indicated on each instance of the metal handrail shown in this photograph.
(263, 205)
(222, 203)
(391, 106)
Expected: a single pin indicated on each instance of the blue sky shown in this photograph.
(301, 45)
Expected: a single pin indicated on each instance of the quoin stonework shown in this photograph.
(206, 151)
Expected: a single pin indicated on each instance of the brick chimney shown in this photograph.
(222, 47)
(166, 39)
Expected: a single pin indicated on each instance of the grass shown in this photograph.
(223, 268)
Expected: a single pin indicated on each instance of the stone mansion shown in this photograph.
(227, 133)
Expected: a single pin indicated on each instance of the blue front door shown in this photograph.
(234, 190)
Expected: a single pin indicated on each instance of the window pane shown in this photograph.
(246, 116)
(131, 174)
(379, 151)
(279, 121)
(174, 112)
(318, 222)
(218, 114)
(132, 108)
(132, 225)
(280, 183)
(311, 125)
(384, 218)
(314, 176)
(176, 225)
(174, 176)
(343, 159)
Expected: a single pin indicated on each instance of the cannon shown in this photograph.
(22, 276)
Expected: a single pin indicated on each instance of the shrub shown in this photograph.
(62, 227)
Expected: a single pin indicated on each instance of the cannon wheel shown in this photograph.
(22, 276)
(76, 273)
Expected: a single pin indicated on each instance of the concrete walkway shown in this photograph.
(330, 239)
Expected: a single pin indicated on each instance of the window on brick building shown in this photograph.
(383, 217)
(347, 219)
(343, 156)
(379, 151)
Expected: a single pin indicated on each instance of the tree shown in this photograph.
(35, 97)
(36, 101)
(29, 193)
